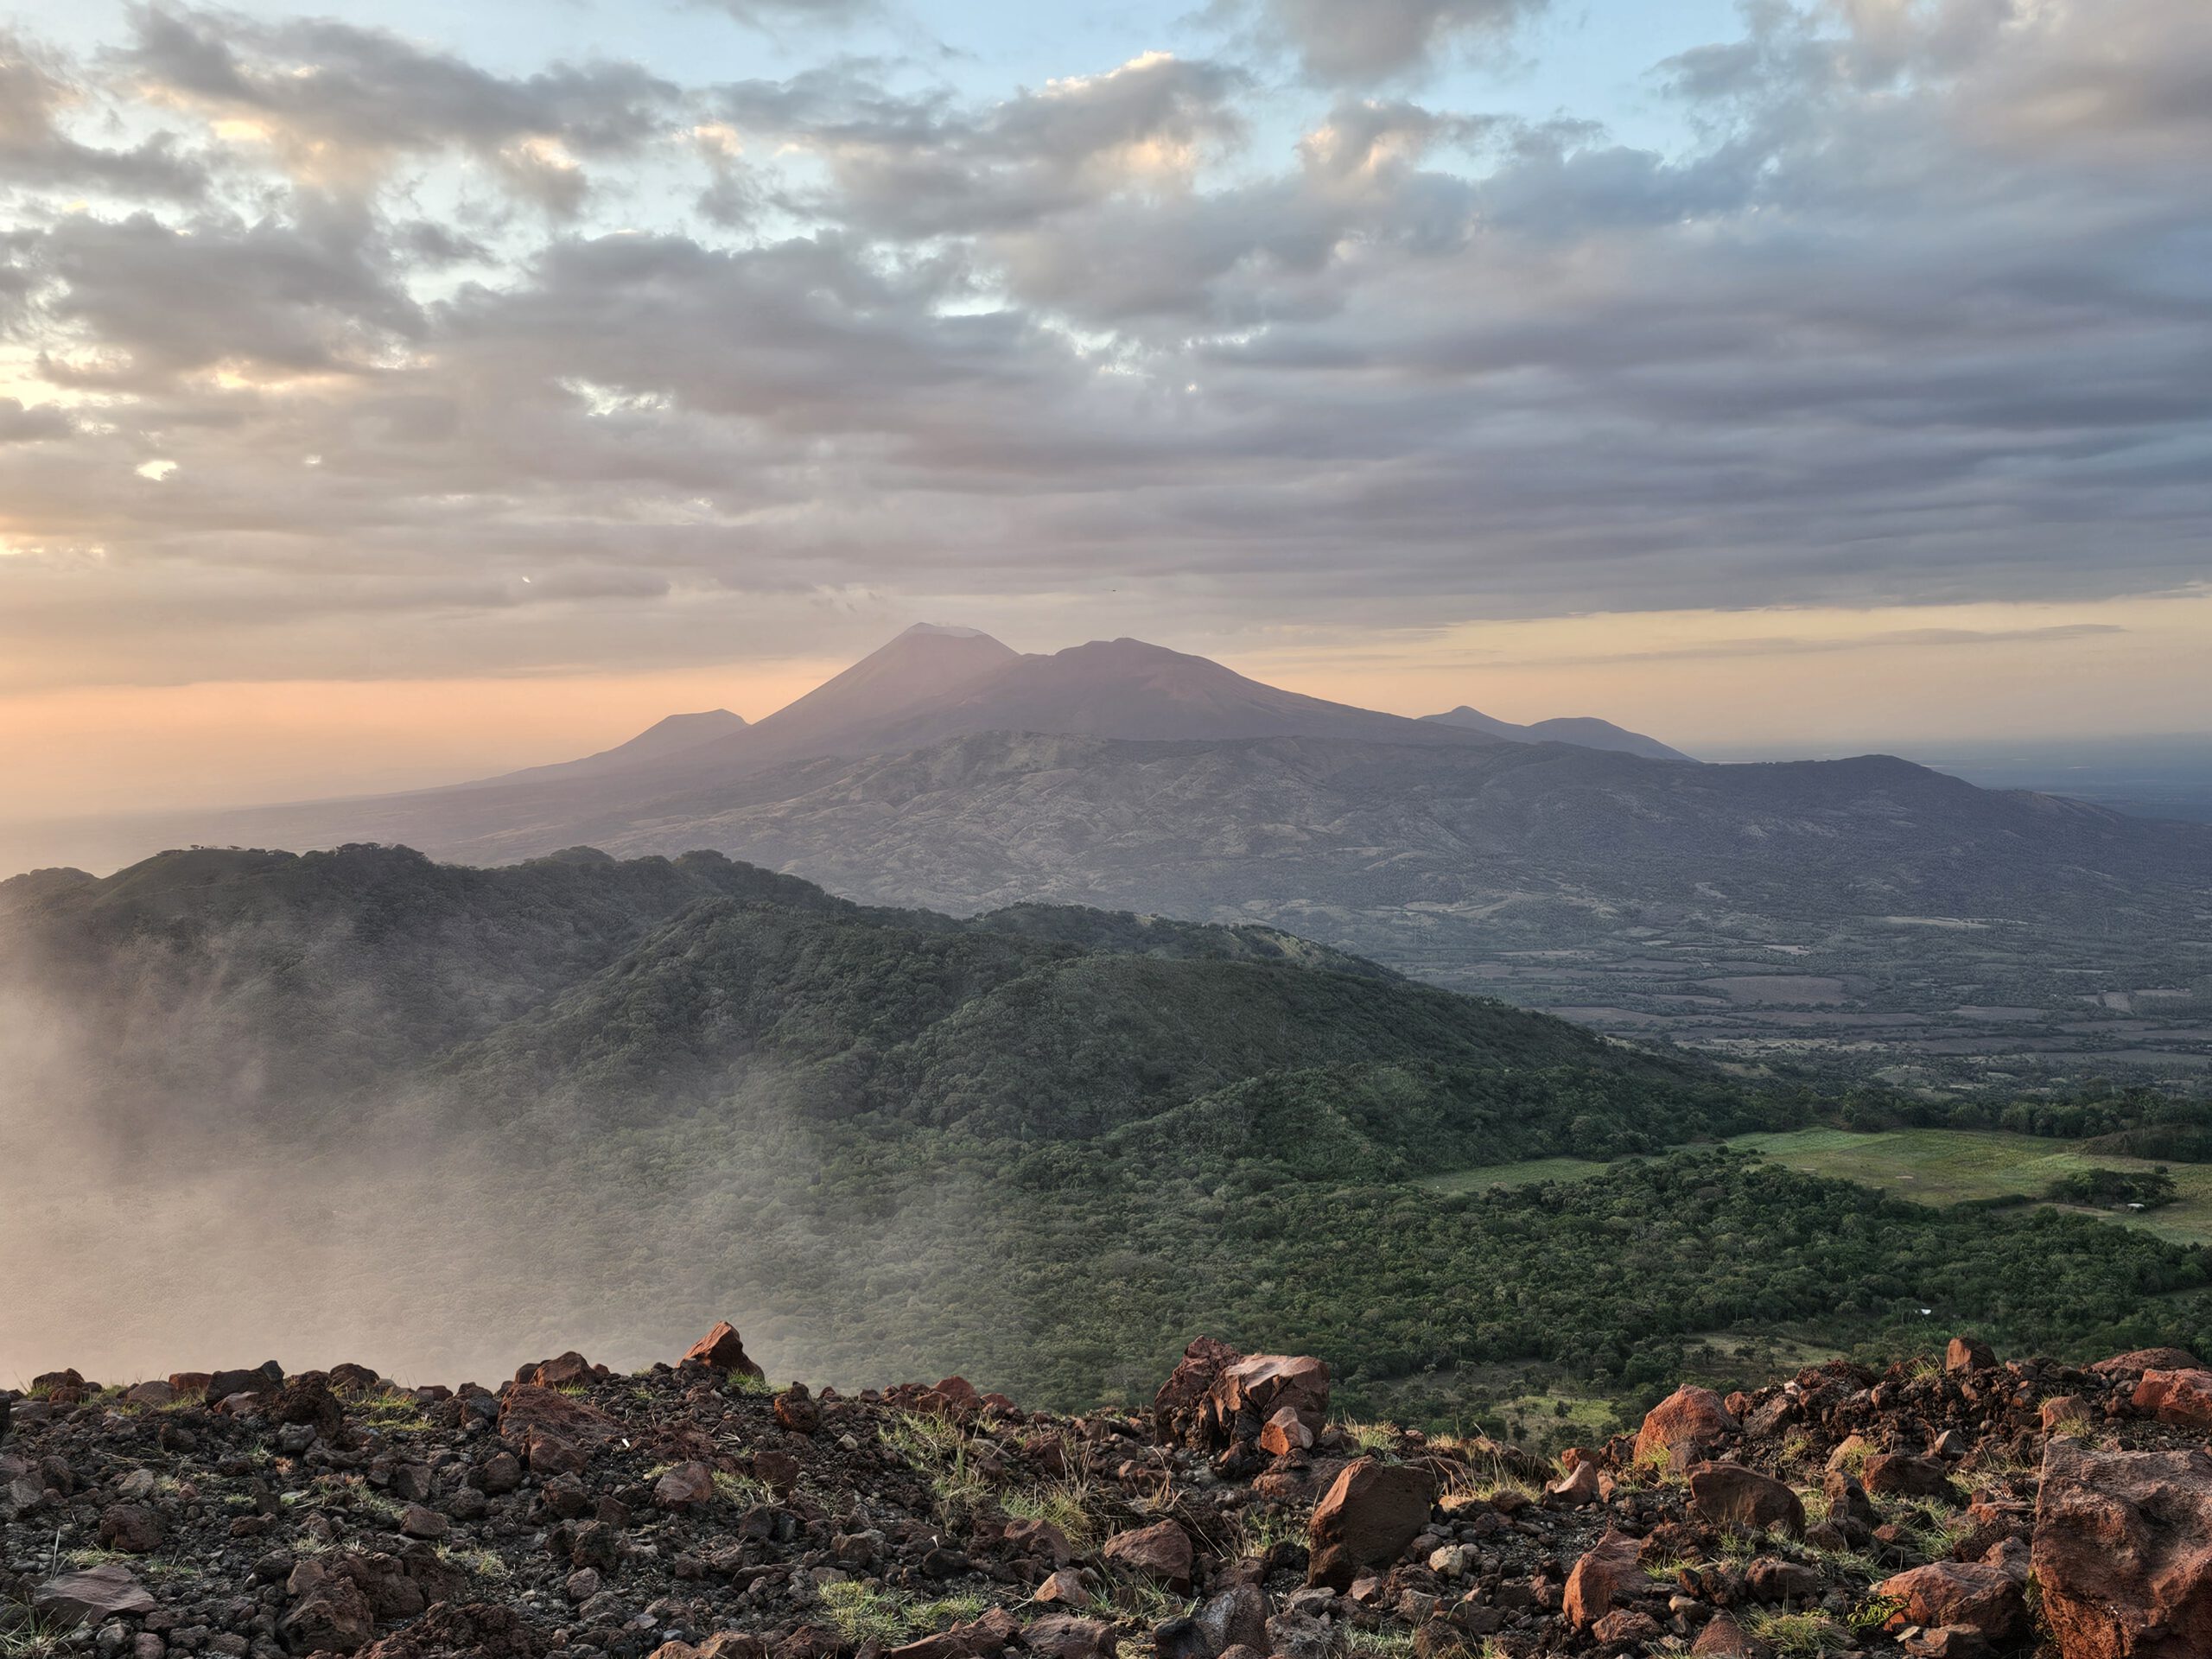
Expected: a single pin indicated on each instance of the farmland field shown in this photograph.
(1928, 1166)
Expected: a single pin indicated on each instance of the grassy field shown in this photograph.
(1951, 1165)
(1931, 1166)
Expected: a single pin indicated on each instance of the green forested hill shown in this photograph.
(500, 1108)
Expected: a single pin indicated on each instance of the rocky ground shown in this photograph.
(1960, 1508)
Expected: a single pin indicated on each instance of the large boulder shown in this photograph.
(264, 1379)
(2183, 1397)
(722, 1350)
(1161, 1552)
(1686, 1426)
(1610, 1569)
(1729, 1495)
(1906, 1474)
(2137, 1361)
(1369, 1515)
(92, 1597)
(1984, 1597)
(557, 1434)
(1266, 1385)
(1216, 1395)
(329, 1613)
(2123, 1552)
(1967, 1355)
(687, 1486)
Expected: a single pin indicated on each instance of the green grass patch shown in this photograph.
(1965, 1165)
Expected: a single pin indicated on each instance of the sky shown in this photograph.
(393, 392)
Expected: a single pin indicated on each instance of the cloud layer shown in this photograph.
(310, 332)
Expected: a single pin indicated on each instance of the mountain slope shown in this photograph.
(619, 992)
(676, 735)
(1582, 730)
(1127, 689)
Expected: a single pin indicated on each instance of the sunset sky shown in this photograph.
(393, 392)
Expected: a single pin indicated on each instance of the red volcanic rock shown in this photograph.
(2137, 1361)
(90, 1597)
(1901, 1474)
(557, 1434)
(724, 1350)
(1970, 1595)
(1285, 1432)
(1969, 1354)
(1724, 1638)
(684, 1486)
(1367, 1517)
(1268, 1383)
(1612, 1567)
(1178, 1415)
(1577, 1488)
(1683, 1427)
(1217, 1396)
(1161, 1552)
(131, 1528)
(2183, 1397)
(1729, 1495)
(797, 1410)
(2123, 1552)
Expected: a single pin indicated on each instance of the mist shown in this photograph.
(175, 1198)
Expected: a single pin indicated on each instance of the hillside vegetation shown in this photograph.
(1040, 1148)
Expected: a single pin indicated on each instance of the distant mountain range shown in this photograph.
(1607, 875)
(1580, 730)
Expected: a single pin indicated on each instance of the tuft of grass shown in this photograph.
(480, 1563)
(33, 1638)
(1379, 1645)
(396, 1415)
(1139, 1597)
(1066, 1504)
(1256, 1534)
(863, 1615)
(1875, 1611)
(864, 1612)
(744, 1491)
(947, 1610)
(1799, 1635)
(936, 1448)
(1373, 1439)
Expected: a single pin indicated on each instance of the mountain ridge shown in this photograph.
(1583, 730)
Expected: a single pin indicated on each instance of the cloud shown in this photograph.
(1914, 314)
(146, 301)
(1359, 43)
(916, 167)
(36, 94)
(774, 15)
(21, 425)
(338, 104)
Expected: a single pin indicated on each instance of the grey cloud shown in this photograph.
(310, 297)
(1890, 333)
(339, 103)
(1359, 43)
(21, 425)
(1801, 645)
(773, 15)
(36, 152)
(922, 167)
